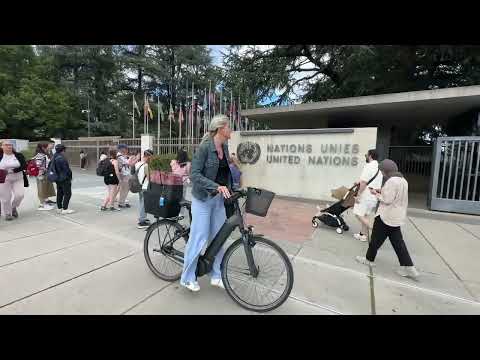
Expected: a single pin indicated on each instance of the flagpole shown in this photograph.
(158, 122)
(191, 124)
(231, 109)
(209, 95)
(221, 92)
(133, 116)
(186, 106)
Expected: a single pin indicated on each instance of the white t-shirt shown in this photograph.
(9, 162)
(141, 170)
(368, 172)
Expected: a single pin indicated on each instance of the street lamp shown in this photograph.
(88, 113)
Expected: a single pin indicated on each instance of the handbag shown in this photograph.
(349, 199)
(3, 175)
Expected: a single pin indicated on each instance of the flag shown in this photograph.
(171, 115)
(180, 115)
(135, 106)
(147, 108)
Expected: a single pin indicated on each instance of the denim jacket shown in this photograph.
(204, 169)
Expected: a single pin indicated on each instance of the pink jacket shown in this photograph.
(182, 171)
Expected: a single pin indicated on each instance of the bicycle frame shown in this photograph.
(205, 262)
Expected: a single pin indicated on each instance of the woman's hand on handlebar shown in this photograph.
(224, 191)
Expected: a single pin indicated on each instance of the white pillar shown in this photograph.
(147, 143)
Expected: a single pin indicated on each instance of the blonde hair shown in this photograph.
(218, 122)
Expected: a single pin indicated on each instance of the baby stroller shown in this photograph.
(332, 216)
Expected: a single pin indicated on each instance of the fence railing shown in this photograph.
(94, 148)
(412, 160)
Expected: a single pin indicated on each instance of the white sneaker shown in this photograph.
(59, 211)
(66, 212)
(45, 208)
(192, 286)
(408, 271)
(363, 260)
(217, 283)
(360, 237)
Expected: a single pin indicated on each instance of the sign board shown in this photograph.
(302, 163)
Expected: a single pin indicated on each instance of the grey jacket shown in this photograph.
(204, 169)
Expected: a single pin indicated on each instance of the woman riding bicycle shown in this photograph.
(210, 172)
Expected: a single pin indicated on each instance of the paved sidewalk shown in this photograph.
(92, 263)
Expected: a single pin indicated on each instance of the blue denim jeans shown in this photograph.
(207, 218)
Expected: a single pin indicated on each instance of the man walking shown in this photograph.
(125, 173)
(365, 202)
(142, 172)
(63, 180)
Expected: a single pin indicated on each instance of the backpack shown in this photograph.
(105, 168)
(32, 168)
(52, 174)
(134, 185)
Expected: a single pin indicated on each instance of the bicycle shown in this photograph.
(272, 283)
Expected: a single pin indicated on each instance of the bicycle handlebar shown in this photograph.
(237, 194)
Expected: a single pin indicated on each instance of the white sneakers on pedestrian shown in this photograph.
(67, 212)
(45, 207)
(363, 260)
(408, 271)
(192, 286)
(360, 237)
(217, 283)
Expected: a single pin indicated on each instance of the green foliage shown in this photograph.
(161, 162)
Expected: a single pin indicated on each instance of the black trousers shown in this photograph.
(380, 232)
(83, 162)
(64, 193)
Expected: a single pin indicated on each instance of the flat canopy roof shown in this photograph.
(415, 106)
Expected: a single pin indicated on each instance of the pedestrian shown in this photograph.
(365, 202)
(63, 180)
(50, 150)
(83, 160)
(141, 171)
(103, 156)
(210, 173)
(391, 215)
(12, 189)
(181, 165)
(45, 188)
(111, 180)
(125, 173)
(235, 170)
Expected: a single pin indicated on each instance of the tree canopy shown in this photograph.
(43, 89)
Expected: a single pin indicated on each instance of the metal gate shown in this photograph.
(455, 175)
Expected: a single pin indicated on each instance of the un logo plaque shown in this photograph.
(248, 152)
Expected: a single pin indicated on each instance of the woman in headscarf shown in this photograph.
(391, 215)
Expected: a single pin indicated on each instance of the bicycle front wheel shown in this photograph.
(164, 248)
(274, 282)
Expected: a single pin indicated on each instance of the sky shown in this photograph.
(216, 52)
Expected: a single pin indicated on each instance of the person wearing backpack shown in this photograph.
(45, 188)
(141, 173)
(60, 173)
(125, 173)
(109, 169)
(13, 166)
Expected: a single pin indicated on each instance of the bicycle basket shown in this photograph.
(258, 201)
(172, 195)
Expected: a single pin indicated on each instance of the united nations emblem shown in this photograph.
(248, 152)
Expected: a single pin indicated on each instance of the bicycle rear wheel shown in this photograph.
(164, 247)
(273, 284)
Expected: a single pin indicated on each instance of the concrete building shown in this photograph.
(398, 118)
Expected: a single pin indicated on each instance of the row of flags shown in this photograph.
(195, 116)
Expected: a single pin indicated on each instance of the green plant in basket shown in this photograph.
(159, 164)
